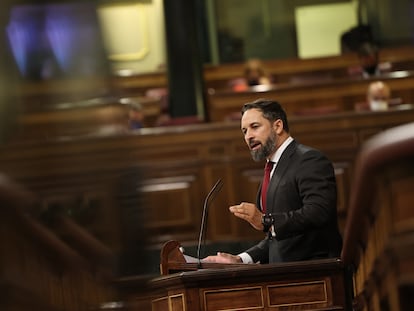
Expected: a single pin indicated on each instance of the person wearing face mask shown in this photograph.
(254, 74)
(369, 64)
(378, 96)
(297, 212)
(368, 58)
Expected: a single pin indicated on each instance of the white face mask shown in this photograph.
(377, 105)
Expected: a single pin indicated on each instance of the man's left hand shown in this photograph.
(248, 212)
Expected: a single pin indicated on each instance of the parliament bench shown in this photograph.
(73, 107)
(284, 70)
(292, 70)
(325, 97)
(218, 77)
(52, 119)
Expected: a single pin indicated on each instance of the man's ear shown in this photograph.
(278, 126)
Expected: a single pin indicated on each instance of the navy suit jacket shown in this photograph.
(302, 197)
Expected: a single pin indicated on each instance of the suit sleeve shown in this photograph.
(260, 252)
(315, 182)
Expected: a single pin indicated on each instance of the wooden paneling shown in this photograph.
(247, 298)
(282, 295)
(173, 205)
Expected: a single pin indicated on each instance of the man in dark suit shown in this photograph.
(300, 218)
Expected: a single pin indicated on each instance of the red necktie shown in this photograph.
(265, 184)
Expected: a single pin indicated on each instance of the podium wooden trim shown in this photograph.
(308, 285)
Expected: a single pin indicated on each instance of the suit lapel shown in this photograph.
(280, 170)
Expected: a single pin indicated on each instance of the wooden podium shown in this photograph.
(311, 285)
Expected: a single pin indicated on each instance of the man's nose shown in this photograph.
(248, 136)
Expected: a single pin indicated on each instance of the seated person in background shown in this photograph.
(369, 65)
(161, 94)
(378, 97)
(136, 115)
(254, 74)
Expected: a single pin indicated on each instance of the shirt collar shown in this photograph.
(279, 151)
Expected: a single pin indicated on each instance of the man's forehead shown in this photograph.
(250, 116)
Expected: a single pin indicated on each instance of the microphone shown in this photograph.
(209, 198)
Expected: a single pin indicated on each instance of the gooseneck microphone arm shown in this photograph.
(209, 198)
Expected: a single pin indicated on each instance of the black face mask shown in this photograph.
(370, 69)
(253, 82)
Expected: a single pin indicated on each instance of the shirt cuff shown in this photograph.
(272, 231)
(245, 257)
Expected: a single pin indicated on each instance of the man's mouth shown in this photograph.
(254, 145)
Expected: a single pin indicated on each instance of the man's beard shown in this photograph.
(266, 150)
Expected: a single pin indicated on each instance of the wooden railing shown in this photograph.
(42, 271)
(378, 237)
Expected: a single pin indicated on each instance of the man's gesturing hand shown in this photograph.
(248, 212)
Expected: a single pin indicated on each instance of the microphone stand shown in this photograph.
(209, 198)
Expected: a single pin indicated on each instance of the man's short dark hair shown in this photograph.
(271, 110)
